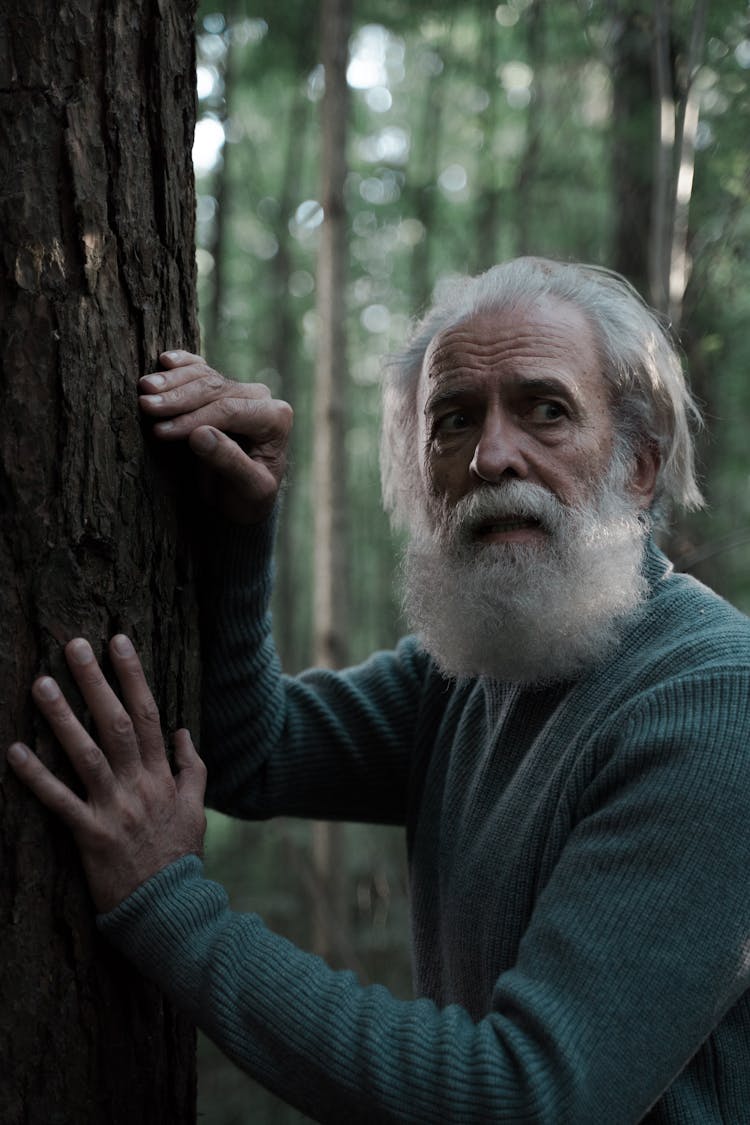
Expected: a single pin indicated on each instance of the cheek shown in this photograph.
(445, 475)
(583, 466)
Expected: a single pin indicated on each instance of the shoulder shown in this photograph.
(679, 677)
(684, 628)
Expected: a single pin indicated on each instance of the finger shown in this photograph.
(85, 756)
(262, 420)
(158, 381)
(191, 778)
(198, 391)
(178, 357)
(139, 701)
(49, 789)
(253, 479)
(113, 723)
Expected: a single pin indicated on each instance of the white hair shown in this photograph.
(651, 403)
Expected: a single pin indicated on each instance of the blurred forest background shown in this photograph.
(597, 130)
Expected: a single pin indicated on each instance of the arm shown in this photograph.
(326, 744)
(635, 951)
(330, 744)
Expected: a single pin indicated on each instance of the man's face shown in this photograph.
(515, 395)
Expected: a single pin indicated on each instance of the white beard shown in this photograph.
(526, 613)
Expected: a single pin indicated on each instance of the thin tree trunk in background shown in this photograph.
(674, 160)
(660, 241)
(214, 321)
(284, 358)
(329, 457)
(425, 192)
(98, 277)
(529, 164)
(632, 163)
(488, 202)
(687, 131)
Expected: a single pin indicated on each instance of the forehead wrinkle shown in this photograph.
(519, 348)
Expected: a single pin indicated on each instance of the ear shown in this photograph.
(642, 482)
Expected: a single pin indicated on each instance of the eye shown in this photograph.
(452, 423)
(547, 412)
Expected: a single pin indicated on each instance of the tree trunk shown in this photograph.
(674, 160)
(331, 364)
(284, 358)
(487, 217)
(424, 191)
(97, 278)
(329, 456)
(632, 167)
(528, 168)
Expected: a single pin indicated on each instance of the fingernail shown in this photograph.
(154, 398)
(163, 426)
(46, 688)
(153, 380)
(203, 441)
(16, 754)
(122, 646)
(172, 355)
(81, 652)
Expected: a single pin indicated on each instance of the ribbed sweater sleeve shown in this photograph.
(636, 948)
(321, 744)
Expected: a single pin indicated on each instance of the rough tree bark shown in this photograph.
(97, 277)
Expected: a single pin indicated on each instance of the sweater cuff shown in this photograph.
(243, 549)
(172, 918)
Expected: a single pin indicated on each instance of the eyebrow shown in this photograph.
(533, 385)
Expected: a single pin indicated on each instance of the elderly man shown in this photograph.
(566, 741)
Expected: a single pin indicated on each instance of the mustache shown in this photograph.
(492, 503)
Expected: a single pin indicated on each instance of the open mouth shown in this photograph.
(509, 526)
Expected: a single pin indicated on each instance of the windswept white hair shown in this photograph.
(651, 402)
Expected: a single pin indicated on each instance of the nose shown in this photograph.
(498, 453)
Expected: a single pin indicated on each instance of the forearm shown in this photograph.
(325, 744)
(242, 704)
(338, 1051)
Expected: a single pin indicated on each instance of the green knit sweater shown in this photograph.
(579, 863)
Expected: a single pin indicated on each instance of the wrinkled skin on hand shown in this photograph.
(137, 816)
(238, 430)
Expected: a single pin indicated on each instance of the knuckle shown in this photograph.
(148, 713)
(257, 390)
(92, 759)
(130, 819)
(98, 836)
(121, 725)
(285, 414)
(92, 677)
(228, 407)
(214, 381)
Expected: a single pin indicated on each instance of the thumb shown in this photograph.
(227, 458)
(191, 778)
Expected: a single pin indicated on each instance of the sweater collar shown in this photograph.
(655, 566)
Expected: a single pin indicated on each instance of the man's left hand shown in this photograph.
(138, 817)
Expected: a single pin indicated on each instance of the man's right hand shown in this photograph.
(238, 430)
